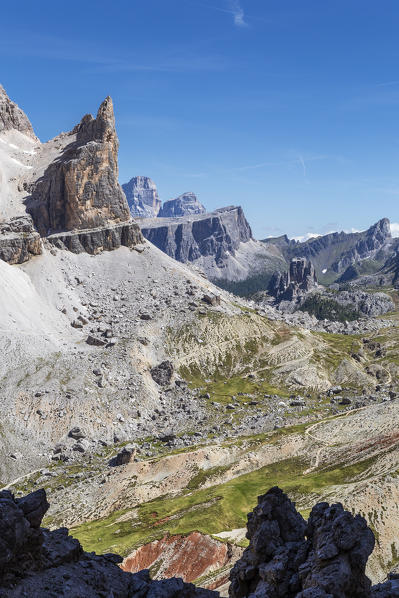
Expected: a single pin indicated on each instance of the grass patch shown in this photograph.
(210, 510)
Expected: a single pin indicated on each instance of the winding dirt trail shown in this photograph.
(322, 441)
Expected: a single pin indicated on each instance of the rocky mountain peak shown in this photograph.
(381, 230)
(184, 205)
(142, 196)
(12, 117)
(101, 128)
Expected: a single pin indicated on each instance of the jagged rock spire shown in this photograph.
(101, 128)
(80, 190)
(12, 117)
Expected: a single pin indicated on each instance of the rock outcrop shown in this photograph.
(80, 190)
(19, 241)
(288, 559)
(186, 204)
(268, 566)
(186, 240)
(294, 284)
(39, 563)
(12, 117)
(142, 196)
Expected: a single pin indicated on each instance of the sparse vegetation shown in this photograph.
(325, 308)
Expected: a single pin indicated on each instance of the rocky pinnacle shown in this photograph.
(12, 117)
(80, 190)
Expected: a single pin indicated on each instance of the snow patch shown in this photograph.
(13, 146)
(324, 271)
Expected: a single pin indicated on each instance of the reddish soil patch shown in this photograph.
(188, 557)
(379, 442)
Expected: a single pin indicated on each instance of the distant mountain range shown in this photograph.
(222, 245)
(143, 200)
(343, 256)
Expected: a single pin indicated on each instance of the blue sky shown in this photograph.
(287, 107)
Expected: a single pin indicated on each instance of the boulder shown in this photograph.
(95, 341)
(211, 299)
(76, 433)
(162, 373)
(125, 456)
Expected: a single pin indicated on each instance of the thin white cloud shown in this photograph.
(302, 163)
(395, 229)
(308, 236)
(238, 13)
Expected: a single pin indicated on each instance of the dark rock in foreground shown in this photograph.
(288, 559)
(38, 563)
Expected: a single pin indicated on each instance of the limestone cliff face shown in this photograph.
(80, 190)
(12, 117)
(187, 239)
(142, 197)
(184, 205)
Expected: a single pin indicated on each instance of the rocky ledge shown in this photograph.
(95, 240)
(18, 240)
(286, 558)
